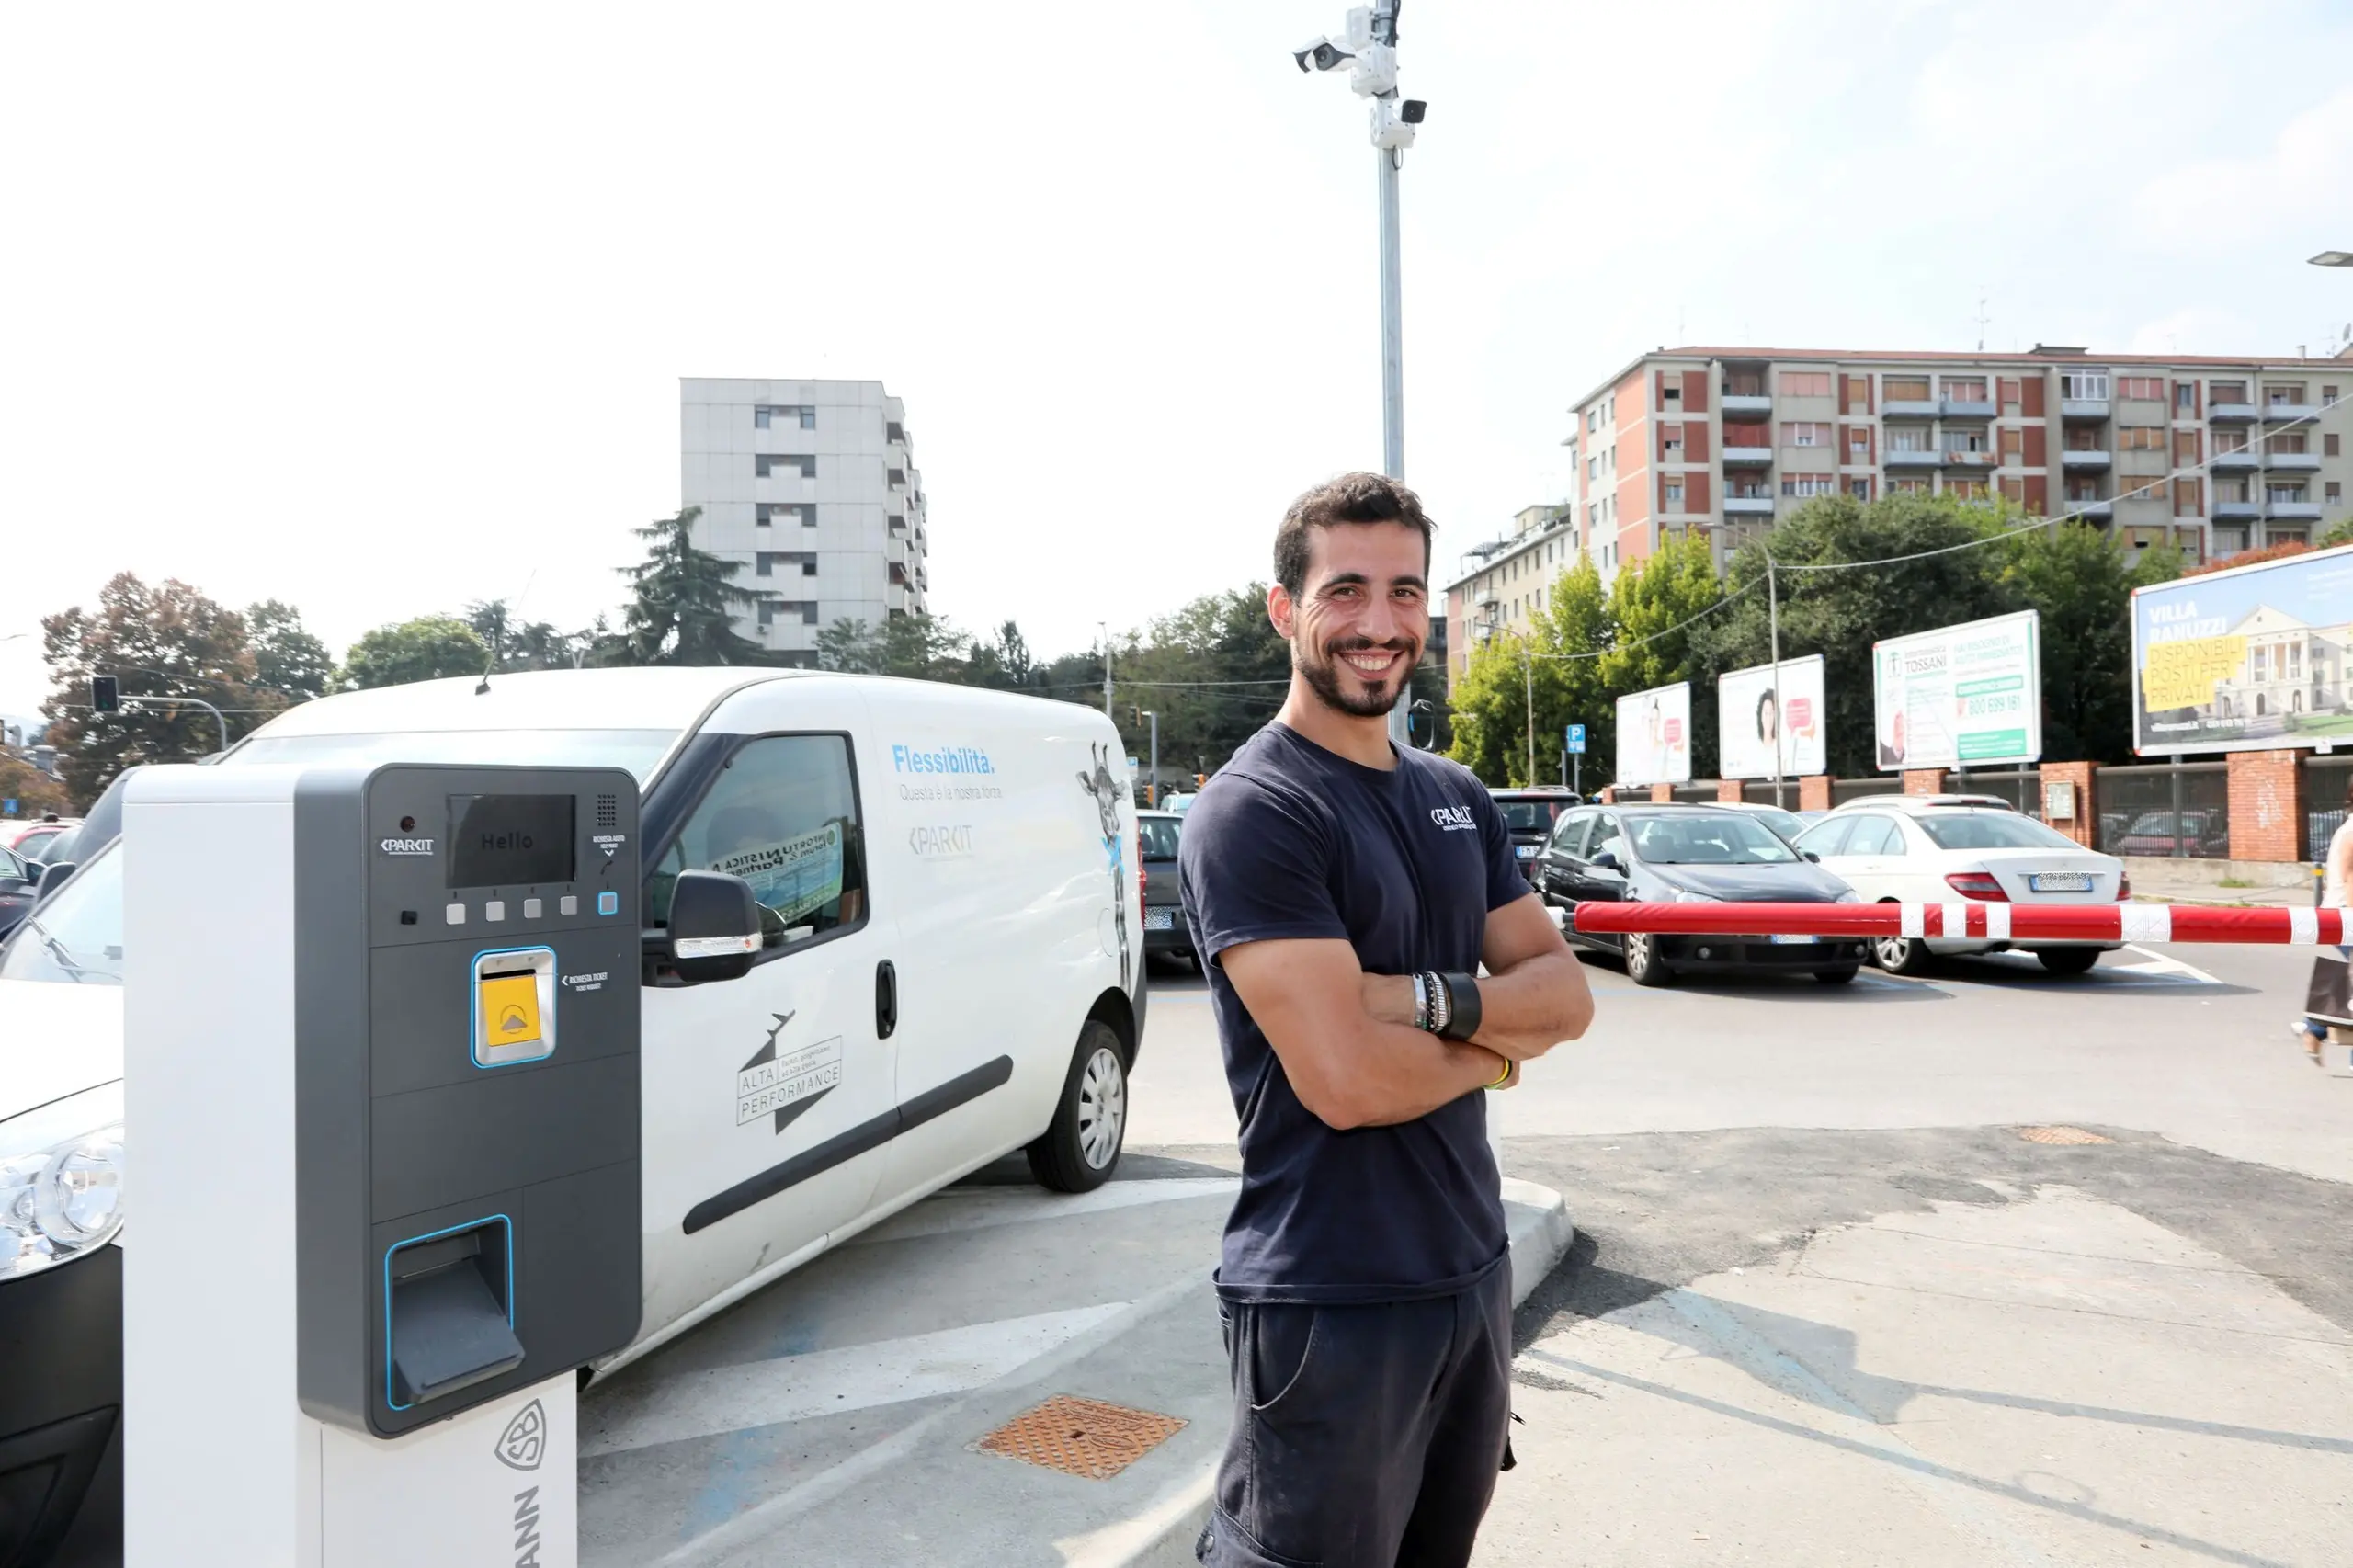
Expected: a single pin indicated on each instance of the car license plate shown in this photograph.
(1525, 851)
(1780, 940)
(1160, 920)
(2061, 881)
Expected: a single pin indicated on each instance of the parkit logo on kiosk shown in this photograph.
(405, 845)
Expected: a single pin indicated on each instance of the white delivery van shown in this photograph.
(951, 969)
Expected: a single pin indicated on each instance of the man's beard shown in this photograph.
(1323, 675)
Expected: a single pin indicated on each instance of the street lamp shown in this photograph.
(1367, 45)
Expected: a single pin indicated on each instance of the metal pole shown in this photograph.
(1392, 382)
(1576, 774)
(1528, 677)
(1773, 618)
(192, 702)
(1105, 627)
(1152, 790)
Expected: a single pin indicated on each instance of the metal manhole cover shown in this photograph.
(2061, 1135)
(1081, 1437)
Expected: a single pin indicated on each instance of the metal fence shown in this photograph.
(1845, 789)
(2022, 789)
(2326, 780)
(2177, 809)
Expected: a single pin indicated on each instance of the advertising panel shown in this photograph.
(1961, 695)
(1756, 712)
(1654, 735)
(2245, 660)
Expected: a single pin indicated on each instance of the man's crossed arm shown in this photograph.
(1346, 1038)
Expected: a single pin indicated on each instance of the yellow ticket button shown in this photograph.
(510, 1009)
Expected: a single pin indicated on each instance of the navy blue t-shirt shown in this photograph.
(1291, 841)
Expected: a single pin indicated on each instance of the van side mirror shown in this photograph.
(714, 926)
(52, 878)
(1608, 861)
(1811, 856)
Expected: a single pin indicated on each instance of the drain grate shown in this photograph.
(1081, 1437)
(2061, 1135)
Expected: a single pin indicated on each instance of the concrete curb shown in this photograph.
(1536, 1218)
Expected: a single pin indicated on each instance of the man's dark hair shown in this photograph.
(1350, 498)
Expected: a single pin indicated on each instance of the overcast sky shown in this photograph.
(380, 312)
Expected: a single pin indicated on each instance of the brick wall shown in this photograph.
(1664, 794)
(1728, 789)
(2084, 827)
(1924, 780)
(1813, 792)
(2265, 811)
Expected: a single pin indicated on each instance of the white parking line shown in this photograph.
(826, 1383)
(979, 1208)
(2165, 966)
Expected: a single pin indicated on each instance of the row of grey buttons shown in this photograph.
(494, 910)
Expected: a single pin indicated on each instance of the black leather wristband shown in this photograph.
(1463, 992)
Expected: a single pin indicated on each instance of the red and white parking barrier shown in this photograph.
(1969, 921)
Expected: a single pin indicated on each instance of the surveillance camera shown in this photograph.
(1391, 132)
(1412, 110)
(1323, 53)
(1374, 75)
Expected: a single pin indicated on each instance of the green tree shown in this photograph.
(684, 600)
(1560, 666)
(431, 647)
(522, 645)
(287, 658)
(35, 792)
(161, 641)
(1660, 635)
(2080, 581)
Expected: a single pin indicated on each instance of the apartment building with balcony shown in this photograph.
(813, 486)
(1726, 440)
(1503, 581)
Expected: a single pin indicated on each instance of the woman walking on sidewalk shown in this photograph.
(2326, 1003)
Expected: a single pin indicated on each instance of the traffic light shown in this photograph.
(106, 694)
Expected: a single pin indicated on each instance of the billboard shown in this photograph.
(1760, 708)
(1654, 735)
(2245, 660)
(1968, 695)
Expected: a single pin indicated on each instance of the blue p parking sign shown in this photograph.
(1576, 740)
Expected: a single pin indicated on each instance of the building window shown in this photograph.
(2013, 445)
(1907, 487)
(766, 463)
(1859, 487)
(2084, 386)
(1966, 489)
(2291, 441)
(1671, 448)
(1805, 384)
(1964, 389)
(2329, 397)
(2185, 399)
(2188, 497)
(1906, 388)
(1672, 395)
(2328, 445)
(1966, 439)
(2228, 392)
(1806, 485)
(766, 513)
(2009, 388)
(2140, 438)
(1859, 394)
(1858, 443)
(2278, 495)
(2282, 395)
(2333, 492)
(2148, 389)
(2228, 439)
(2185, 449)
(1907, 438)
(782, 417)
(1675, 495)
(1805, 433)
(1747, 383)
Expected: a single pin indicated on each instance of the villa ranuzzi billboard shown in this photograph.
(2250, 659)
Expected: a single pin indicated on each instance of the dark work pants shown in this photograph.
(1364, 1436)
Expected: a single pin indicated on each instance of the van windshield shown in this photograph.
(74, 937)
(640, 751)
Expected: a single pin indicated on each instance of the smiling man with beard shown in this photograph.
(1344, 893)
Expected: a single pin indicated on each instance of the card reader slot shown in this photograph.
(448, 1298)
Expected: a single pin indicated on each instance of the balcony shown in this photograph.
(2236, 511)
(1957, 457)
(2083, 408)
(1748, 506)
(1910, 408)
(2238, 460)
(2291, 511)
(1745, 402)
(2275, 412)
(2075, 458)
(1900, 458)
(2292, 462)
(2231, 413)
(2094, 510)
(1748, 457)
(1974, 410)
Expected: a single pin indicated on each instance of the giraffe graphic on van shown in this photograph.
(1106, 792)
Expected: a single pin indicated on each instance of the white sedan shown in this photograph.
(1923, 850)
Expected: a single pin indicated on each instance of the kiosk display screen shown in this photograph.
(510, 840)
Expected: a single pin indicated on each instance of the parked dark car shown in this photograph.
(1164, 931)
(18, 882)
(1530, 813)
(1682, 854)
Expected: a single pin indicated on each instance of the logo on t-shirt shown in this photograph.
(1454, 819)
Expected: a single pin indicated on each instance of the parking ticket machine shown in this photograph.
(381, 1071)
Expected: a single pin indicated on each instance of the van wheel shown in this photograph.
(1080, 1149)
(2067, 960)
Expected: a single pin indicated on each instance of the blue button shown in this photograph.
(609, 903)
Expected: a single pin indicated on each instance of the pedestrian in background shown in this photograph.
(1343, 893)
(2328, 1004)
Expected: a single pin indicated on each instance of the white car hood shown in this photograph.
(56, 1040)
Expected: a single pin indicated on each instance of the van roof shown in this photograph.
(663, 698)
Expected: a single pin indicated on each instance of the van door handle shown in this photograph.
(886, 1000)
